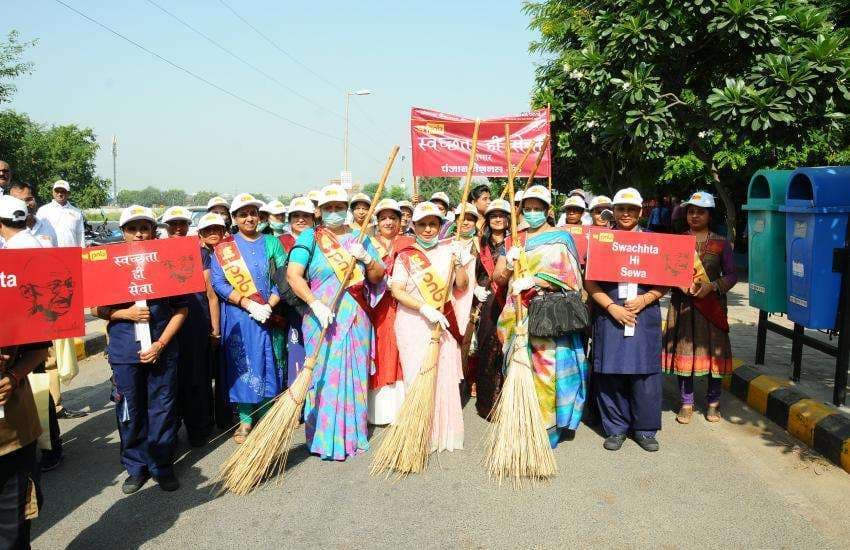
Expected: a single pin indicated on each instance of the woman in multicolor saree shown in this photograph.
(420, 277)
(335, 406)
(560, 364)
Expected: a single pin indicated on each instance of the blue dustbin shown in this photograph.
(817, 205)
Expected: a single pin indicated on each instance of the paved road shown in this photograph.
(741, 483)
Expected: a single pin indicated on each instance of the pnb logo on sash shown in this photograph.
(227, 252)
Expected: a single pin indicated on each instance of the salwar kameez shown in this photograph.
(560, 364)
(488, 351)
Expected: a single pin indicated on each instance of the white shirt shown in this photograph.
(43, 231)
(22, 239)
(67, 222)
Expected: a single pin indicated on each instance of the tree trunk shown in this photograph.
(728, 203)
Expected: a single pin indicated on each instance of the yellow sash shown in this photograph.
(379, 247)
(235, 269)
(430, 283)
(338, 257)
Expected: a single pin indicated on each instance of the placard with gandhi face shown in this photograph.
(143, 270)
(640, 257)
(41, 296)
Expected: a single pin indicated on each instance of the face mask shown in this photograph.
(277, 227)
(534, 219)
(427, 245)
(333, 219)
(262, 226)
(468, 234)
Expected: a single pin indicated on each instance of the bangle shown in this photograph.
(609, 305)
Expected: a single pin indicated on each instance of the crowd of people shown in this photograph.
(220, 356)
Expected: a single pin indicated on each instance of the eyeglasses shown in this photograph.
(5, 171)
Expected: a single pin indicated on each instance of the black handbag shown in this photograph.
(287, 295)
(553, 314)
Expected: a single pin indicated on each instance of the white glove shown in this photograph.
(360, 253)
(323, 313)
(521, 285)
(434, 316)
(481, 293)
(259, 312)
(512, 256)
(460, 252)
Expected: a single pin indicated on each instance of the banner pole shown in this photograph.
(551, 163)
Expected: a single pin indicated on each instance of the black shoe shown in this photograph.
(614, 442)
(647, 443)
(168, 482)
(133, 484)
(68, 413)
(49, 461)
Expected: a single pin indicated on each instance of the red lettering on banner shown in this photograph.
(41, 293)
(142, 270)
(640, 257)
(442, 143)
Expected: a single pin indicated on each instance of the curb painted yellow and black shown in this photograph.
(820, 426)
(90, 344)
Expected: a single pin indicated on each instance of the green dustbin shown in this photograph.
(766, 233)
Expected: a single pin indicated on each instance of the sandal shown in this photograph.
(713, 412)
(240, 434)
(685, 414)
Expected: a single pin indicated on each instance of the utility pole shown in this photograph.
(115, 169)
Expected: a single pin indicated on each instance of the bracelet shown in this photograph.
(609, 305)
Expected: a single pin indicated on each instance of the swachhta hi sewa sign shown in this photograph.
(640, 257)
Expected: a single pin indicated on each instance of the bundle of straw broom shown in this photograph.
(517, 443)
(406, 446)
(265, 450)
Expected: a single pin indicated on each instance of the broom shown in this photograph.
(517, 443)
(405, 447)
(265, 450)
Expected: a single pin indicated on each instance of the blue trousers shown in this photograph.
(147, 416)
(629, 403)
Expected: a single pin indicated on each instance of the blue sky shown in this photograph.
(467, 57)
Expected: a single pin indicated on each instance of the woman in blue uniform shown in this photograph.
(627, 369)
(145, 380)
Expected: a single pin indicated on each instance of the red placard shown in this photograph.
(640, 257)
(442, 142)
(41, 295)
(579, 234)
(143, 270)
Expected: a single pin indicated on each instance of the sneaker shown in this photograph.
(133, 484)
(68, 413)
(614, 442)
(168, 482)
(647, 443)
(49, 461)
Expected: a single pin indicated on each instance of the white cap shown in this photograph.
(518, 196)
(62, 184)
(301, 204)
(210, 219)
(577, 191)
(360, 197)
(701, 199)
(405, 204)
(217, 201)
(442, 197)
(314, 195)
(333, 193)
(470, 209)
(425, 209)
(136, 212)
(176, 213)
(629, 195)
(274, 207)
(538, 192)
(244, 199)
(574, 201)
(12, 208)
(500, 205)
(388, 204)
(599, 200)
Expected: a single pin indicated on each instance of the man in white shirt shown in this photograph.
(66, 219)
(40, 229)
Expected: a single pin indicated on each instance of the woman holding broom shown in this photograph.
(335, 406)
(386, 383)
(560, 365)
(418, 283)
(252, 348)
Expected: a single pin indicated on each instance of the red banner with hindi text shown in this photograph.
(640, 257)
(41, 295)
(143, 270)
(442, 142)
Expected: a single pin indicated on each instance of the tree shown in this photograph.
(11, 65)
(174, 197)
(686, 93)
(201, 198)
(396, 192)
(450, 186)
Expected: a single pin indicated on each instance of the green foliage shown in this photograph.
(40, 155)
(201, 198)
(688, 93)
(11, 65)
(397, 192)
(450, 186)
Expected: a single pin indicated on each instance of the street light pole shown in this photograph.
(345, 140)
(115, 169)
